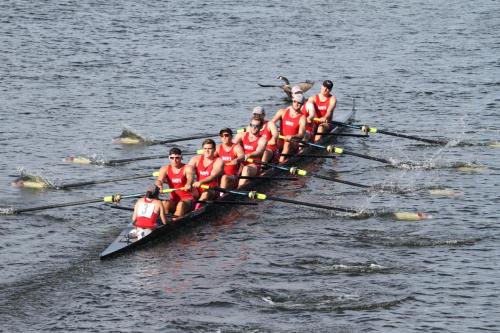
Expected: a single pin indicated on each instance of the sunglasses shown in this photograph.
(254, 126)
(297, 102)
(175, 157)
(225, 135)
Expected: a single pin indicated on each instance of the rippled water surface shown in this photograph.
(74, 74)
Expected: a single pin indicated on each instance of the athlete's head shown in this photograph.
(328, 84)
(153, 192)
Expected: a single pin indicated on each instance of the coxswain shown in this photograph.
(254, 146)
(232, 155)
(179, 176)
(270, 133)
(208, 169)
(324, 104)
(146, 213)
(292, 126)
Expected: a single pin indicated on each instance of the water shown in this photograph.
(74, 73)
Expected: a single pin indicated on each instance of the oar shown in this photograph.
(344, 134)
(202, 136)
(296, 171)
(310, 155)
(85, 160)
(107, 199)
(44, 185)
(261, 196)
(367, 129)
(116, 198)
(339, 150)
(268, 177)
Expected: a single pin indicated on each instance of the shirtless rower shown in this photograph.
(324, 104)
(208, 168)
(254, 146)
(177, 175)
(292, 126)
(270, 133)
(232, 155)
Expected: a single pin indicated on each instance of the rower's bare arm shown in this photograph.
(302, 129)
(261, 147)
(193, 162)
(161, 176)
(189, 173)
(163, 217)
(240, 154)
(274, 132)
(311, 110)
(331, 107)
(277, 117)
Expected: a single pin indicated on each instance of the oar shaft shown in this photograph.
(102, 181)
(268, 177)
(368, 157)
(344, 134)
(411, 137)
(66, 204)
(311, 155)
(202, 136)
(309, 204)
(340, 181)
(400, 135)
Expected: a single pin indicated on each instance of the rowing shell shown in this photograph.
(124, 242)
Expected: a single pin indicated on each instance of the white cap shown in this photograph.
(296, 90)
(258, 110)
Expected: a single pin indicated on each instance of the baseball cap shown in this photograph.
(226, 130)
(258, 110)
(296, 90)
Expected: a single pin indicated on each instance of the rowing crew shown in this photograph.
(232, 163)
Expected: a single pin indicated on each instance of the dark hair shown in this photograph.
(175, 151)
(328, 84)
(226, 130)
(208, 142)
(153, 192)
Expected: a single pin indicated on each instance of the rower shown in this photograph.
(292, 126)
(309, 111)
(232, 155)
(146, 213)
(208, 168)
(324, 104)
(254, 146)
(178, 176)
(270, 133)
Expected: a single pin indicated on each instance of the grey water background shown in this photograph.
(72, 74)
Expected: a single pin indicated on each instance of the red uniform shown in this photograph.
(177, 180)
(266, 133)
(309, 125)
(320, 106)
(228, 156)
(146, 216)
(203, 172)
(289, 125)
(249, 147)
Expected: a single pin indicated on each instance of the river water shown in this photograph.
(73, 74)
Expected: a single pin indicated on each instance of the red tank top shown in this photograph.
(203, 171)
(176, 180)
(250, 146)
(289, 125)
(309, 125)
(228, 156)
(146, 216)
(320, 106)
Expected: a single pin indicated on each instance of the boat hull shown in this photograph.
(124, 243)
